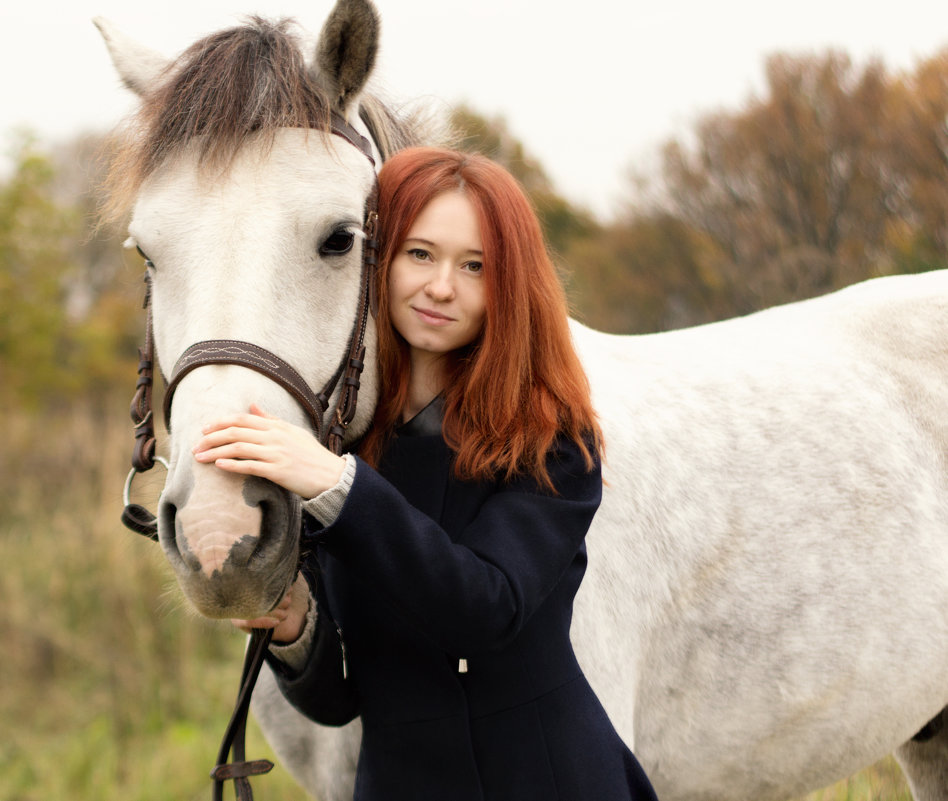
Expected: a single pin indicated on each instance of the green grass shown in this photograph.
(110, 689)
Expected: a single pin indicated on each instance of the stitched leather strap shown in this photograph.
(246, 354)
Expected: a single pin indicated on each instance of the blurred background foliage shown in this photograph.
(109, 687)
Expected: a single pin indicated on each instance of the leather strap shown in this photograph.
(137, 518)
(340, 126)
(241, 770)
(246, 354)
(143, 456)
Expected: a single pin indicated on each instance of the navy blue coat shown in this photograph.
(421, 571)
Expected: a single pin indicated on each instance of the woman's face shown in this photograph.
(436, 283)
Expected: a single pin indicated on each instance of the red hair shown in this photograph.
(520, 383)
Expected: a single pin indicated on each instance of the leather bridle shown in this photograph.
(329, 430)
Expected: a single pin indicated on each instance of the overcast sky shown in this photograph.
(591, 87)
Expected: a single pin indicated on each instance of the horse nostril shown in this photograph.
(170, 537)
(167, 514)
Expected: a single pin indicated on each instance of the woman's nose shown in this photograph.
(441, 285)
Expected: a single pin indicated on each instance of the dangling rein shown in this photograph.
(246, 354)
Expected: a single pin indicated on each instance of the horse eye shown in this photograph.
(337, 243)
(148, 262)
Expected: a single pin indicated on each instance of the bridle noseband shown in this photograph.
(330, 432)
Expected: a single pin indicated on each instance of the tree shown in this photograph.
(648, 272)
(562, 222)
(62, 332)
(34, 264)
(918, 143)
(796, 190)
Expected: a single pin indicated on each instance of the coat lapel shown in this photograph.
(417, 461)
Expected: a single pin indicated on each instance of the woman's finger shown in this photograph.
(233, 450)
(257, 422)
(270, 433)
(248, 467)
(258, 412)
(229, 436)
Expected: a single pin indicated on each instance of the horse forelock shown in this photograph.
(241, 83)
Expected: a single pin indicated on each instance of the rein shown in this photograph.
(316, 405)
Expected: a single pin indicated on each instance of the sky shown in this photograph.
(591, 87)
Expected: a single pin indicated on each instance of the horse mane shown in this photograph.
(240, 83)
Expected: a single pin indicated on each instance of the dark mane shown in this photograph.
(230, 85)
(243, 82)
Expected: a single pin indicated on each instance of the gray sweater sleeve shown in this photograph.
(326, 506)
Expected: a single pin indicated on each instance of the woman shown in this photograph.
(448, 553)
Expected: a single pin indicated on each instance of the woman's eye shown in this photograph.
(418, 253)
(474, 266)
(337, 243)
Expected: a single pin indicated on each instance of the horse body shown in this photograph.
(766, 605)
(773, 540)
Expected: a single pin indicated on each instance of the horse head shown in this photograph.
(249, 213)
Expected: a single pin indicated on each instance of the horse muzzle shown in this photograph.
(231, 540)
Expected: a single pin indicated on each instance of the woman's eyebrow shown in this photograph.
(420, 240)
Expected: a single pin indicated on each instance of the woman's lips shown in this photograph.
(431, 316)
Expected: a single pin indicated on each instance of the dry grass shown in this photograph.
(109, 688)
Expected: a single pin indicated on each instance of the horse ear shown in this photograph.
(345, 53)
(137, 66)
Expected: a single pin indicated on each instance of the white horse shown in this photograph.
(766, 605)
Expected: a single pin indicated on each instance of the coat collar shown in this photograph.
(426, 423)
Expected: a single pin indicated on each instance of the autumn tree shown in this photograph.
(918, 147)
(34, 265)
(63, 333)
(562, 221)
(105, 289)
(796, 189)
(644, 273)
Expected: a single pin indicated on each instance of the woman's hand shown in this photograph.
(288, 619)
(257, 444)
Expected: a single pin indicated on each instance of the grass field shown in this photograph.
(110, 690)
